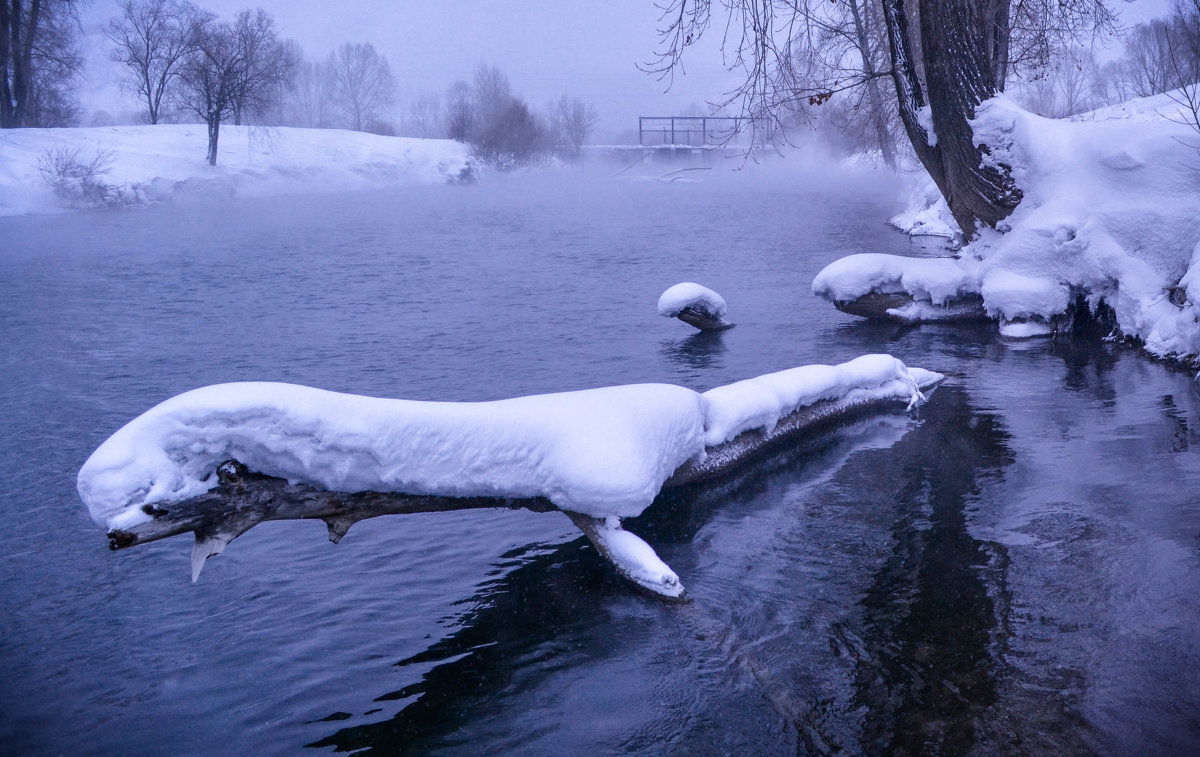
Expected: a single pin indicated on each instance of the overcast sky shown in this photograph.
(547, 47)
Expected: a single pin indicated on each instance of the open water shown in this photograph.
(1013, 569)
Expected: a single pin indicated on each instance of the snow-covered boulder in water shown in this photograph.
(695, 305)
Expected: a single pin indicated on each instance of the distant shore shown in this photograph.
(46, 171)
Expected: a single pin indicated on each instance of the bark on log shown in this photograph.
(705, 321)
(900, 307)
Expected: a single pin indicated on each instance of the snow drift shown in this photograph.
(1111, 214)
(604, 452)
(149, 164)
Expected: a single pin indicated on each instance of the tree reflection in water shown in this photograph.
(927, 662)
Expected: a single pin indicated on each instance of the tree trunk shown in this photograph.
(874, 99)
(22, 54)
(963, 52)
(7, 23)
(214, 133)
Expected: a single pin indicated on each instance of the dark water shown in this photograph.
(1013, 570)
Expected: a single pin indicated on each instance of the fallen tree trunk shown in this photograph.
(242, 499)
(903, 308)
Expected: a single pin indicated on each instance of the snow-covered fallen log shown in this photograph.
(905, 290)
(219, 460)
(695, 305)
(1109, 228)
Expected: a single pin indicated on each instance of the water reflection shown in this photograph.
(549, 612)
(699, 351)
(518, 629)
(926, 662)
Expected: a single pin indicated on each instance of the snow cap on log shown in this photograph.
(602, 452)
(695, 305)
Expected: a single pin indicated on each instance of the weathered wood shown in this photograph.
(902, 308)
(243, 499)
(874, 304)
(701, 319)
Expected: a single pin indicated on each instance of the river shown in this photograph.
(1013, 568)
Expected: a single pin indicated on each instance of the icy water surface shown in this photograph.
(1013, 570)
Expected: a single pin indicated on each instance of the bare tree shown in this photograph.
(267, 65)
(505, 132)
(1148, 51)
(1110, 82)
(234, 70)
(1185, 59)
(571, 121)
(307, 101)
(460, 111)
(362, 83)
(39, 62)
(1160, 56)
(151, 38)
(1064, 87)
(424, 118)
(946, 58)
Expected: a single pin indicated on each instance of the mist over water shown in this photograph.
(1013, 568)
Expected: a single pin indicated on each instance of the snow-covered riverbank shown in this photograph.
(1110, 215)
(148, 164)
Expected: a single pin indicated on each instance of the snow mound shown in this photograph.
(687, 294)
(927, 213)
(601, 452)
(1111, 213)
(152, 164)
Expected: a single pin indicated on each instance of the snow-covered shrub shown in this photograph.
(78, 183)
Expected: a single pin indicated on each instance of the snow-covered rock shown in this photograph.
(151, 164)
(1111, 211)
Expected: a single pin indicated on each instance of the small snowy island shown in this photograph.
(218, 460)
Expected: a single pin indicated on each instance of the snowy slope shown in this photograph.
(1111, 212)
(159, 163)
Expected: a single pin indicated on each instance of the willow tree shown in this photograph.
(945, 58)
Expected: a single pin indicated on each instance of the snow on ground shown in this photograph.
(601, 452)
(158, 163)
(1111, 211)
(927, 213)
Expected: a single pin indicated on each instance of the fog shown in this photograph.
(548, 49)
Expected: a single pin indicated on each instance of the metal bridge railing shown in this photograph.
(693, 131)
